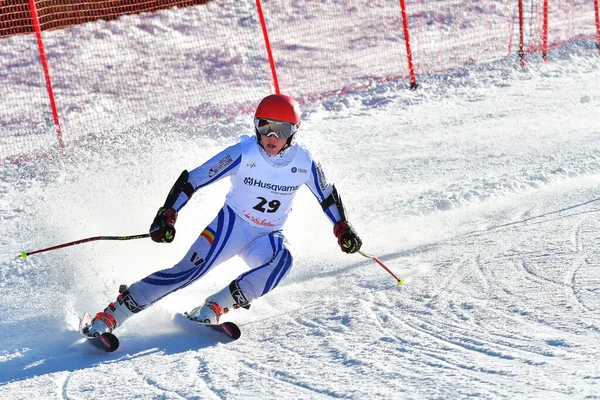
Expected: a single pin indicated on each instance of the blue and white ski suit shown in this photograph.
(250, 222)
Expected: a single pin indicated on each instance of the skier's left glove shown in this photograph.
(347, 239)
(163, 226)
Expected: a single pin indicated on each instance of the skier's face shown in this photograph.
(272, 144)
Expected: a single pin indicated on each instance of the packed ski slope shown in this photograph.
(482, 189)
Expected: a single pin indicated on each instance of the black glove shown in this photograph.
(347, 239)
(163, 226)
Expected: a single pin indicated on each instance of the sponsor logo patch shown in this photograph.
(130, 303)
(321, 176)
(223, 162)
(196, 260)
(258, 221)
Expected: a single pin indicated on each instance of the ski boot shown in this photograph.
(229, 298)
(113, 315)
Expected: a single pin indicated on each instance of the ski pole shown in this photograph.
(90, 239)
(399, 281)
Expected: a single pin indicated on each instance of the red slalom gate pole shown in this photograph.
(411, 68)
(24, 254)
(545, 33)
(265, 32)
(521, 36)
(38, 35)
(597, 25)
(399, 281)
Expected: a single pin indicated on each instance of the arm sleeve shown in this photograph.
(225, 163)
(318, 185)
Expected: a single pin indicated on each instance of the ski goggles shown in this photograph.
(281, 130)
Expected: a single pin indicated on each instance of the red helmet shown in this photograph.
(279, 107)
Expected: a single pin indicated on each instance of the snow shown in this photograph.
(481, 189)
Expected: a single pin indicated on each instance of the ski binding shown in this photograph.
(107, 341)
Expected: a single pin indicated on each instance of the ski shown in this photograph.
(107, 341)
(229, 329)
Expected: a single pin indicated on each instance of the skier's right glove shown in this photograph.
(162, 229)
(347, 239)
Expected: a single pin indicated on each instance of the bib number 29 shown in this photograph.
(267, 206)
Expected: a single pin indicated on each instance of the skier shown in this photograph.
(266, 171)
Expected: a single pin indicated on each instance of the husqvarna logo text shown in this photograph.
(269, 186)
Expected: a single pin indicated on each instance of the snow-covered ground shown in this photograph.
(482, 189)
